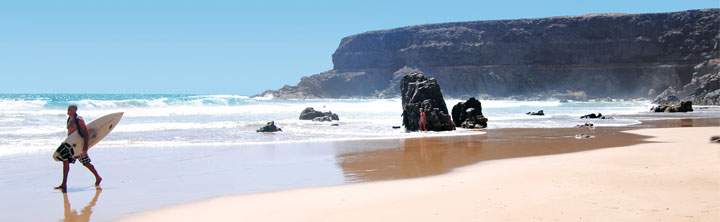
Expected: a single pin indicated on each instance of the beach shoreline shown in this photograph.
(138, 180)
(445, 193)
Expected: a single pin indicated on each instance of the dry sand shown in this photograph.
(676, 177)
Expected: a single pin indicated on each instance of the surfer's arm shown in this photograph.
(85, 132)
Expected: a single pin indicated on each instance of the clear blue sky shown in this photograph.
(223, 47)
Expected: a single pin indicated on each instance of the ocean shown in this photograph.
(32, 123)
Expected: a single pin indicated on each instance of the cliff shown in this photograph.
(577, 57)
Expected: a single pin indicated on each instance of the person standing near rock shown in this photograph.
(423, 120)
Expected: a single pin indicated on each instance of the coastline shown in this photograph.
(138, 180)
(194, 143)
(673, 176)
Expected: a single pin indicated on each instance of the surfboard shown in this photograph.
(98, 129)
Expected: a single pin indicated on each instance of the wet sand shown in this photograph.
(141, 179)
(420, 157)
(675, 176)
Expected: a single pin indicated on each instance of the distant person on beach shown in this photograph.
(423, 120)
(75, 122)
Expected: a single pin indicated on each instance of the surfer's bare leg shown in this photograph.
(92, 169)
(66, 170)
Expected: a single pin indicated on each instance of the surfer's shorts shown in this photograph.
(66, 153)
(84, 158)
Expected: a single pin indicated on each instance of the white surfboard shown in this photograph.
(98, 129)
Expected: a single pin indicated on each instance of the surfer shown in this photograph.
(76, 122)
(423, 120)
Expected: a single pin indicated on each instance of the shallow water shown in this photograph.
(34, 123)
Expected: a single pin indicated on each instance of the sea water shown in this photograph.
(31, 123)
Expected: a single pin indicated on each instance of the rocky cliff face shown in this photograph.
(579, 57)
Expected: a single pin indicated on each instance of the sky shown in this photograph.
(224, 47)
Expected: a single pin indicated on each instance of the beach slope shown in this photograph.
(675, 177)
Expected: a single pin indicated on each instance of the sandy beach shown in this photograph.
(360, 111)
(673, 177)
(498, 173)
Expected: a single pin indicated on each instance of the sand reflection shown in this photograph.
(84, 215)
(428, 156)
(410, 158)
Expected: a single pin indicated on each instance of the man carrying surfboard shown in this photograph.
(74, 123)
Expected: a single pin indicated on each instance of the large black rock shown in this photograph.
(538, 113)
(311, 114)
(469, 114)
(269, 128)
(682, 107)
(420, 92)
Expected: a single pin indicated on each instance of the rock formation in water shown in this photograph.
(595, 116)
(420, 92)
(575, 57)
(269, 128)
(310, 113)
(538, 113)
(469, 114)
(681, 107)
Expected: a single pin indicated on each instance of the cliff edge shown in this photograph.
(575, 57)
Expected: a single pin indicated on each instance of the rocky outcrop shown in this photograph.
(576, 57)
(669, 108)
(703, 88)
(310, 113)
(469, 114)
(538, 113)
(420, 92)
(323, 119)
(595, 116)
(670, 99)
(269, 128)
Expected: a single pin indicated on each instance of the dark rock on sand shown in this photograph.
(538, 113)
(586, 125)
(420, 92)
(269, 128)
(311, 114)
(469, 114)
(715, 139)
(682, 107)
(474, 123)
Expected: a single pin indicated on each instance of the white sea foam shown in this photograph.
(36, 123)
(19, 105)
(151, 127)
